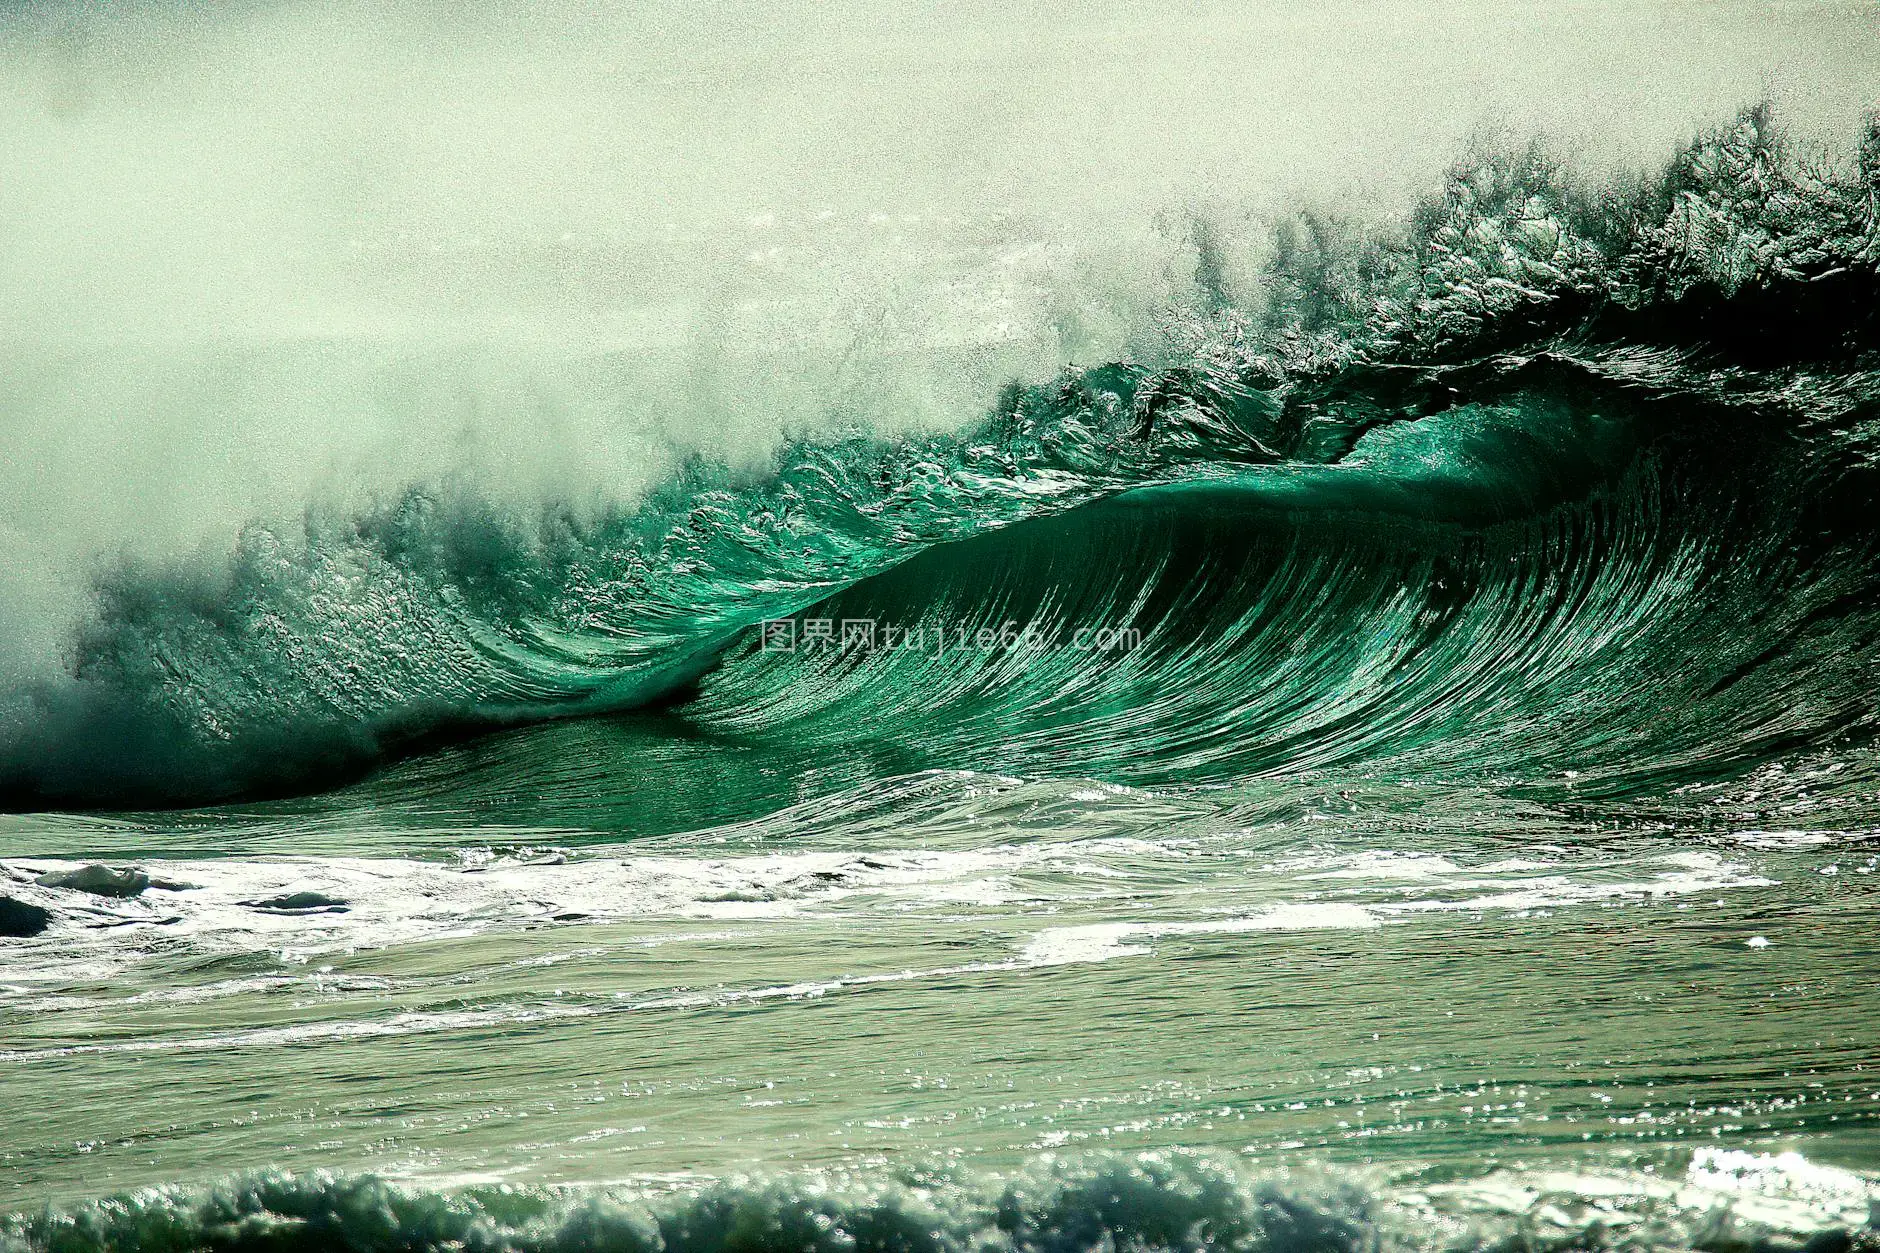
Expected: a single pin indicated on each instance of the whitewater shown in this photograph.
(921, 700)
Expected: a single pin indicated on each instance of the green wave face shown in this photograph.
(1556, 487)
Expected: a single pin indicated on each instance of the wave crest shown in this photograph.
(1711, 337)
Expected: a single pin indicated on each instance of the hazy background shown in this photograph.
(253, 254)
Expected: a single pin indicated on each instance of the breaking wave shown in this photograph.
(1179, 1202)
(1556, 478)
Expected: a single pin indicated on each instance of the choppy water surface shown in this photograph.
(977, 969)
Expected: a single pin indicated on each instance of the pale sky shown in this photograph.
(184, 161)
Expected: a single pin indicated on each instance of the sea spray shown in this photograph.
(1534, 357)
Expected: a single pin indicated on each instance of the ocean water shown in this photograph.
(1391, 767)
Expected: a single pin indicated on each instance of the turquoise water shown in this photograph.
(1402, 776)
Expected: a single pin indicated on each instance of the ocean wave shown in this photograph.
(1557, 478)
(1726, 1202)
